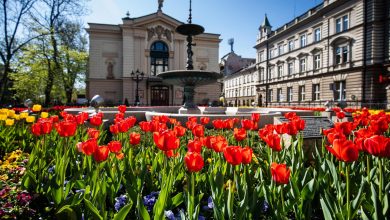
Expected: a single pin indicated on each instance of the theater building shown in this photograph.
(150, 45)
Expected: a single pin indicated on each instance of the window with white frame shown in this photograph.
(262, 56)
(290, 68)
(289, 94)
(316, 92)
(279, 95)
(317, 61)
(248, 91)
(262, 74)
(342, 23)
(317, 34)
(291, 45)
(280, 71)
(342, 54)
(303, 40)
(339, 90)
(301, 93)
(302, 65)
(253, 90)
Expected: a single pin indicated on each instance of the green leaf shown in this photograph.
(93, 209)
(66, 212)
(377, 212)
(308, 190)
(121, 215)
(325, 210)
(177, 200)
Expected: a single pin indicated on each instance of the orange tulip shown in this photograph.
(135, 138)
(101, 154)
(344, 150)
(280, 173)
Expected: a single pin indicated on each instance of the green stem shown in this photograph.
(368, 167)
(282, 197)
(191, 197)
(348, 192)
(380, 179)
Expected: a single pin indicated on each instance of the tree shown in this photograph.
(50, 16)
(12, 15)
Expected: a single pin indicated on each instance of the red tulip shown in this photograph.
(190, 124)
(280, 173)
(96, 120)
(273, 141)
(344, 150)
(93, 133)
(89, 147)
(122, 108)
(246, 155)
(290, 115)
(114, 129)
(101, 154)
(247, 124)
(115, 146)
(198, 130)
(135, 138)
(219, 144)
(233, 154)
(145, 126)
(36, 129)
(255, 117)
(171, 153)
(194, 146)
(46, 126)
(54, 118)
(193, 119)
(66, 128)
(179, 130)
(239, 134)
(131, 120)
(193, 161)
(204, 120)
(166, 140)
(123, 126)
(210, 141)
(377, 145)
(218, 124)
(229, 123)
(340, 115)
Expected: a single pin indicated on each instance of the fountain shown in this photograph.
(189, 78)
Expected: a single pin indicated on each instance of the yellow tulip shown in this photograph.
(37, 108)
(30, 119)
(44, 114)
(11, 113)
(4, 111)
(16, 117)
(23, 115)
(9, 122)
(3, 117)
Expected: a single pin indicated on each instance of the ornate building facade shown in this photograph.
(150, 45)
(337, 51)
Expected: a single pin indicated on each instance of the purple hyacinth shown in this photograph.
(169, 214)
(150, 200)
(120, 202)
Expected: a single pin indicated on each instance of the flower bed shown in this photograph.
(164, 169)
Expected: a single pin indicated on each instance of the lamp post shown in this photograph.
(137, 76)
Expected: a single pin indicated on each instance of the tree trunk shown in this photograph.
(4, 82)
(52, 71)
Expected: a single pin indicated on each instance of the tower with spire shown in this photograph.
(264, 29)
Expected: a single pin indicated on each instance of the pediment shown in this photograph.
(154, 19)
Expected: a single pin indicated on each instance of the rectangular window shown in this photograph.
(339, 91)
(261, 74)
(317, 34)
(342, 24)
(301, 93)
(280, 50)
(280, 71)
(261, 56)
(279, 95)
(342, 54)
(290, 70)
(289, 94)
(302, 65)
(303, 40)
(317, 61)
(270, 95)
(338, 25)
(291, 45)
(345, 22)
(316, 92)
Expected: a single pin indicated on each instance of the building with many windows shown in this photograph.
(150, 45)
(336, 51)
(240, 79)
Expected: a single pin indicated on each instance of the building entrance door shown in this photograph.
(160, 96)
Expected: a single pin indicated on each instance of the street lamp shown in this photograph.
(137, 77)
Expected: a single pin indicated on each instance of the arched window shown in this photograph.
(159, 55)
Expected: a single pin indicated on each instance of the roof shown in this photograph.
(265, 22)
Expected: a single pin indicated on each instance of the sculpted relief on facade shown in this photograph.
(159, 32)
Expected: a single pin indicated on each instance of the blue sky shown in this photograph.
(238, 19)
